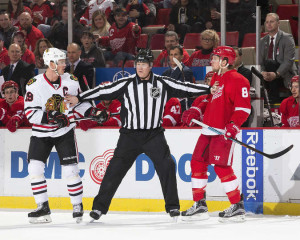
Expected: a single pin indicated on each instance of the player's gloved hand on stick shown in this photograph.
(97, 114)
(13, 123)
(231, 130)
(190, 114)
(58, 118)
(87, 124)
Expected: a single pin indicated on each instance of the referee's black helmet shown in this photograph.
(144, 55)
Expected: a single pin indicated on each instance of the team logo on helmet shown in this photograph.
(155, 92)
(31, 81)
(56, 103)
(99, 165)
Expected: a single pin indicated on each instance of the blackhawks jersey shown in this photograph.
(42, 96)
(230, 103)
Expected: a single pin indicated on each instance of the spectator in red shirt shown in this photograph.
(209, 40)
(4, 58)
(122, 39)
(42, 10)
(31, 32)
(27, 55)
(12, 107)
(171, 39)
(14, 9)
(41, 45)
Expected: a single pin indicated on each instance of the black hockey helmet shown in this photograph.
(144, 55)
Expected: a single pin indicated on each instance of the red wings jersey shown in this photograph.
(42, 96)
(32, 37)
(200, 104)
(198, 59)
(172, 113)
(17, 108)
(114, 107)
(289, 109)
(230, 103)
(105, 6)
(46, 10)
(163, 59)
(122, 39)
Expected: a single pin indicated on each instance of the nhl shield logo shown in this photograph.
(155, 92)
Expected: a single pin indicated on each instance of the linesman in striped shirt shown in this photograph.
(143, 97)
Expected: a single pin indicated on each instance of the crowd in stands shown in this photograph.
(107, 32)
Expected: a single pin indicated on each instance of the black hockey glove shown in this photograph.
(97, 114)
(58, 118)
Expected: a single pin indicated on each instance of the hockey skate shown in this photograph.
(41, 214)
(174, 213)
(78, 212)
(95, 215)
(197, 212)
(235, 213)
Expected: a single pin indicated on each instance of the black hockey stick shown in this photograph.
(89, 118)
(271, 156)
(88, 87)
(260, 76)
(123, 65)
(181, 69)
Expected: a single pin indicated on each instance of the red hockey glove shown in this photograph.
(2, 113)
(97, 114)
(87, 124)
(13, 123)
(231, 130)
(58, 118)
(190, 114)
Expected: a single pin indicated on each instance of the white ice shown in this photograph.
(154, 226)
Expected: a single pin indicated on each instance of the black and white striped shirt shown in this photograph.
(143, 101)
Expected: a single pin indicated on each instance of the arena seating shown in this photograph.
(250, 39)
(232, 38)
(287, 12)
(157, 42)
(143, 41)
(162, 16)
(192, 40)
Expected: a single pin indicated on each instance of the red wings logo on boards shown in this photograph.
(99, 165)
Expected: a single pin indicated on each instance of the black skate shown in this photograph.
(41, 214)
(95, 215)
(197, 212)
(78, 212)
(174, 213)
(236, 212)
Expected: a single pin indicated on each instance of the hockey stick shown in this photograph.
(88, 118)
(260, 76)
(123, 65)
(271, 156)
(181, 69)
(88, 87)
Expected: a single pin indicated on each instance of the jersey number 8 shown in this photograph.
(244, 92)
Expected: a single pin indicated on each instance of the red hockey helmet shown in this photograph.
(295, 79)
(225, 52)
(9, 84)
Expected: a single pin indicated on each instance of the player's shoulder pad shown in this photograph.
(31, 81)
(74, 78)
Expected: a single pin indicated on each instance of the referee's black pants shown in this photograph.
(131, 143)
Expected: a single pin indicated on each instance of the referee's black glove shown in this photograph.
(58, 118)
(97, 114)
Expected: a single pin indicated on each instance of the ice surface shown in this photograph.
(14, 225)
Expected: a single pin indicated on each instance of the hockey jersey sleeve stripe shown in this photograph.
(109, 90)
(186, 86)
(247, 110)
(37, 107)
(44, 126)
(171, 119)
(27, 113)
(119, 122)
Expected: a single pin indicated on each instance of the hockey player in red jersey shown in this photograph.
(172, 113)
(226, 111)
(198, 107)
(12, 107)
(289, 108)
